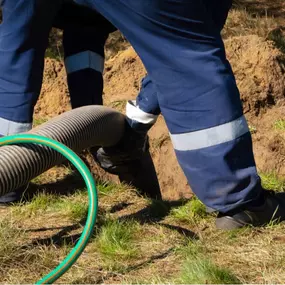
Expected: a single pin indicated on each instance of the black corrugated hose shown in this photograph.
(78, 129)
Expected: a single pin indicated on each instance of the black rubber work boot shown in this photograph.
(142, 176)
(273, 209)
(13, 197)
(130, 159)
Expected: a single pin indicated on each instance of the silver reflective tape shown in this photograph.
(84, 60)
(9, 127)
(210, 137)
(133, 112)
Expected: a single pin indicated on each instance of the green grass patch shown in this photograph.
(116, 240)
(271, 181)
(39, 204)
(39, 121)
(193, 212)
(203, 271)
(279, 125)
(110, 188)
(74, 207)
(233, 235)
(197, 268)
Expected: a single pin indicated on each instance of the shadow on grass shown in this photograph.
(61, 238)
(156, 212)
(67, 186)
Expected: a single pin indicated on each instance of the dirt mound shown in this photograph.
(123, 75)
(54, 98)
(259, 69)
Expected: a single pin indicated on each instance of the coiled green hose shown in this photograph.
(92, 195)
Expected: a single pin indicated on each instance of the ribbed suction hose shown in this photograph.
(78, 129)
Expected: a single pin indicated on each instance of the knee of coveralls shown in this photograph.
(84, 36)
(185, 58)
(23, 40)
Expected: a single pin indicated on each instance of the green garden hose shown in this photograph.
(92, 195)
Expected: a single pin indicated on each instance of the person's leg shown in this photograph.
(23, 40)
(84, 55)
(84, 41)
(197, 93)
(84, 62)
(131, 159)
(142, 114)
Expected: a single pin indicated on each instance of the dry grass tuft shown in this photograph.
(242, 23)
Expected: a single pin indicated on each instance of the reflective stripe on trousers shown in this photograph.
(8, 127)
(84, 60)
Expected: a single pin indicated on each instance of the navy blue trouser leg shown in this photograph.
(181, 47)
(23, 40)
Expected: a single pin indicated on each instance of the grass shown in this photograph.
(107, 188)
(271, 181)
(193, 212)
(242, 23)
(74, 207)
(39, 121)
(279, 125)
(126, 249)
(116, 240)
(39, 204)
(203, 271)
(9, 239)
(198, 268)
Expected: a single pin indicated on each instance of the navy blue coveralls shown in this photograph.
(192, 84)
